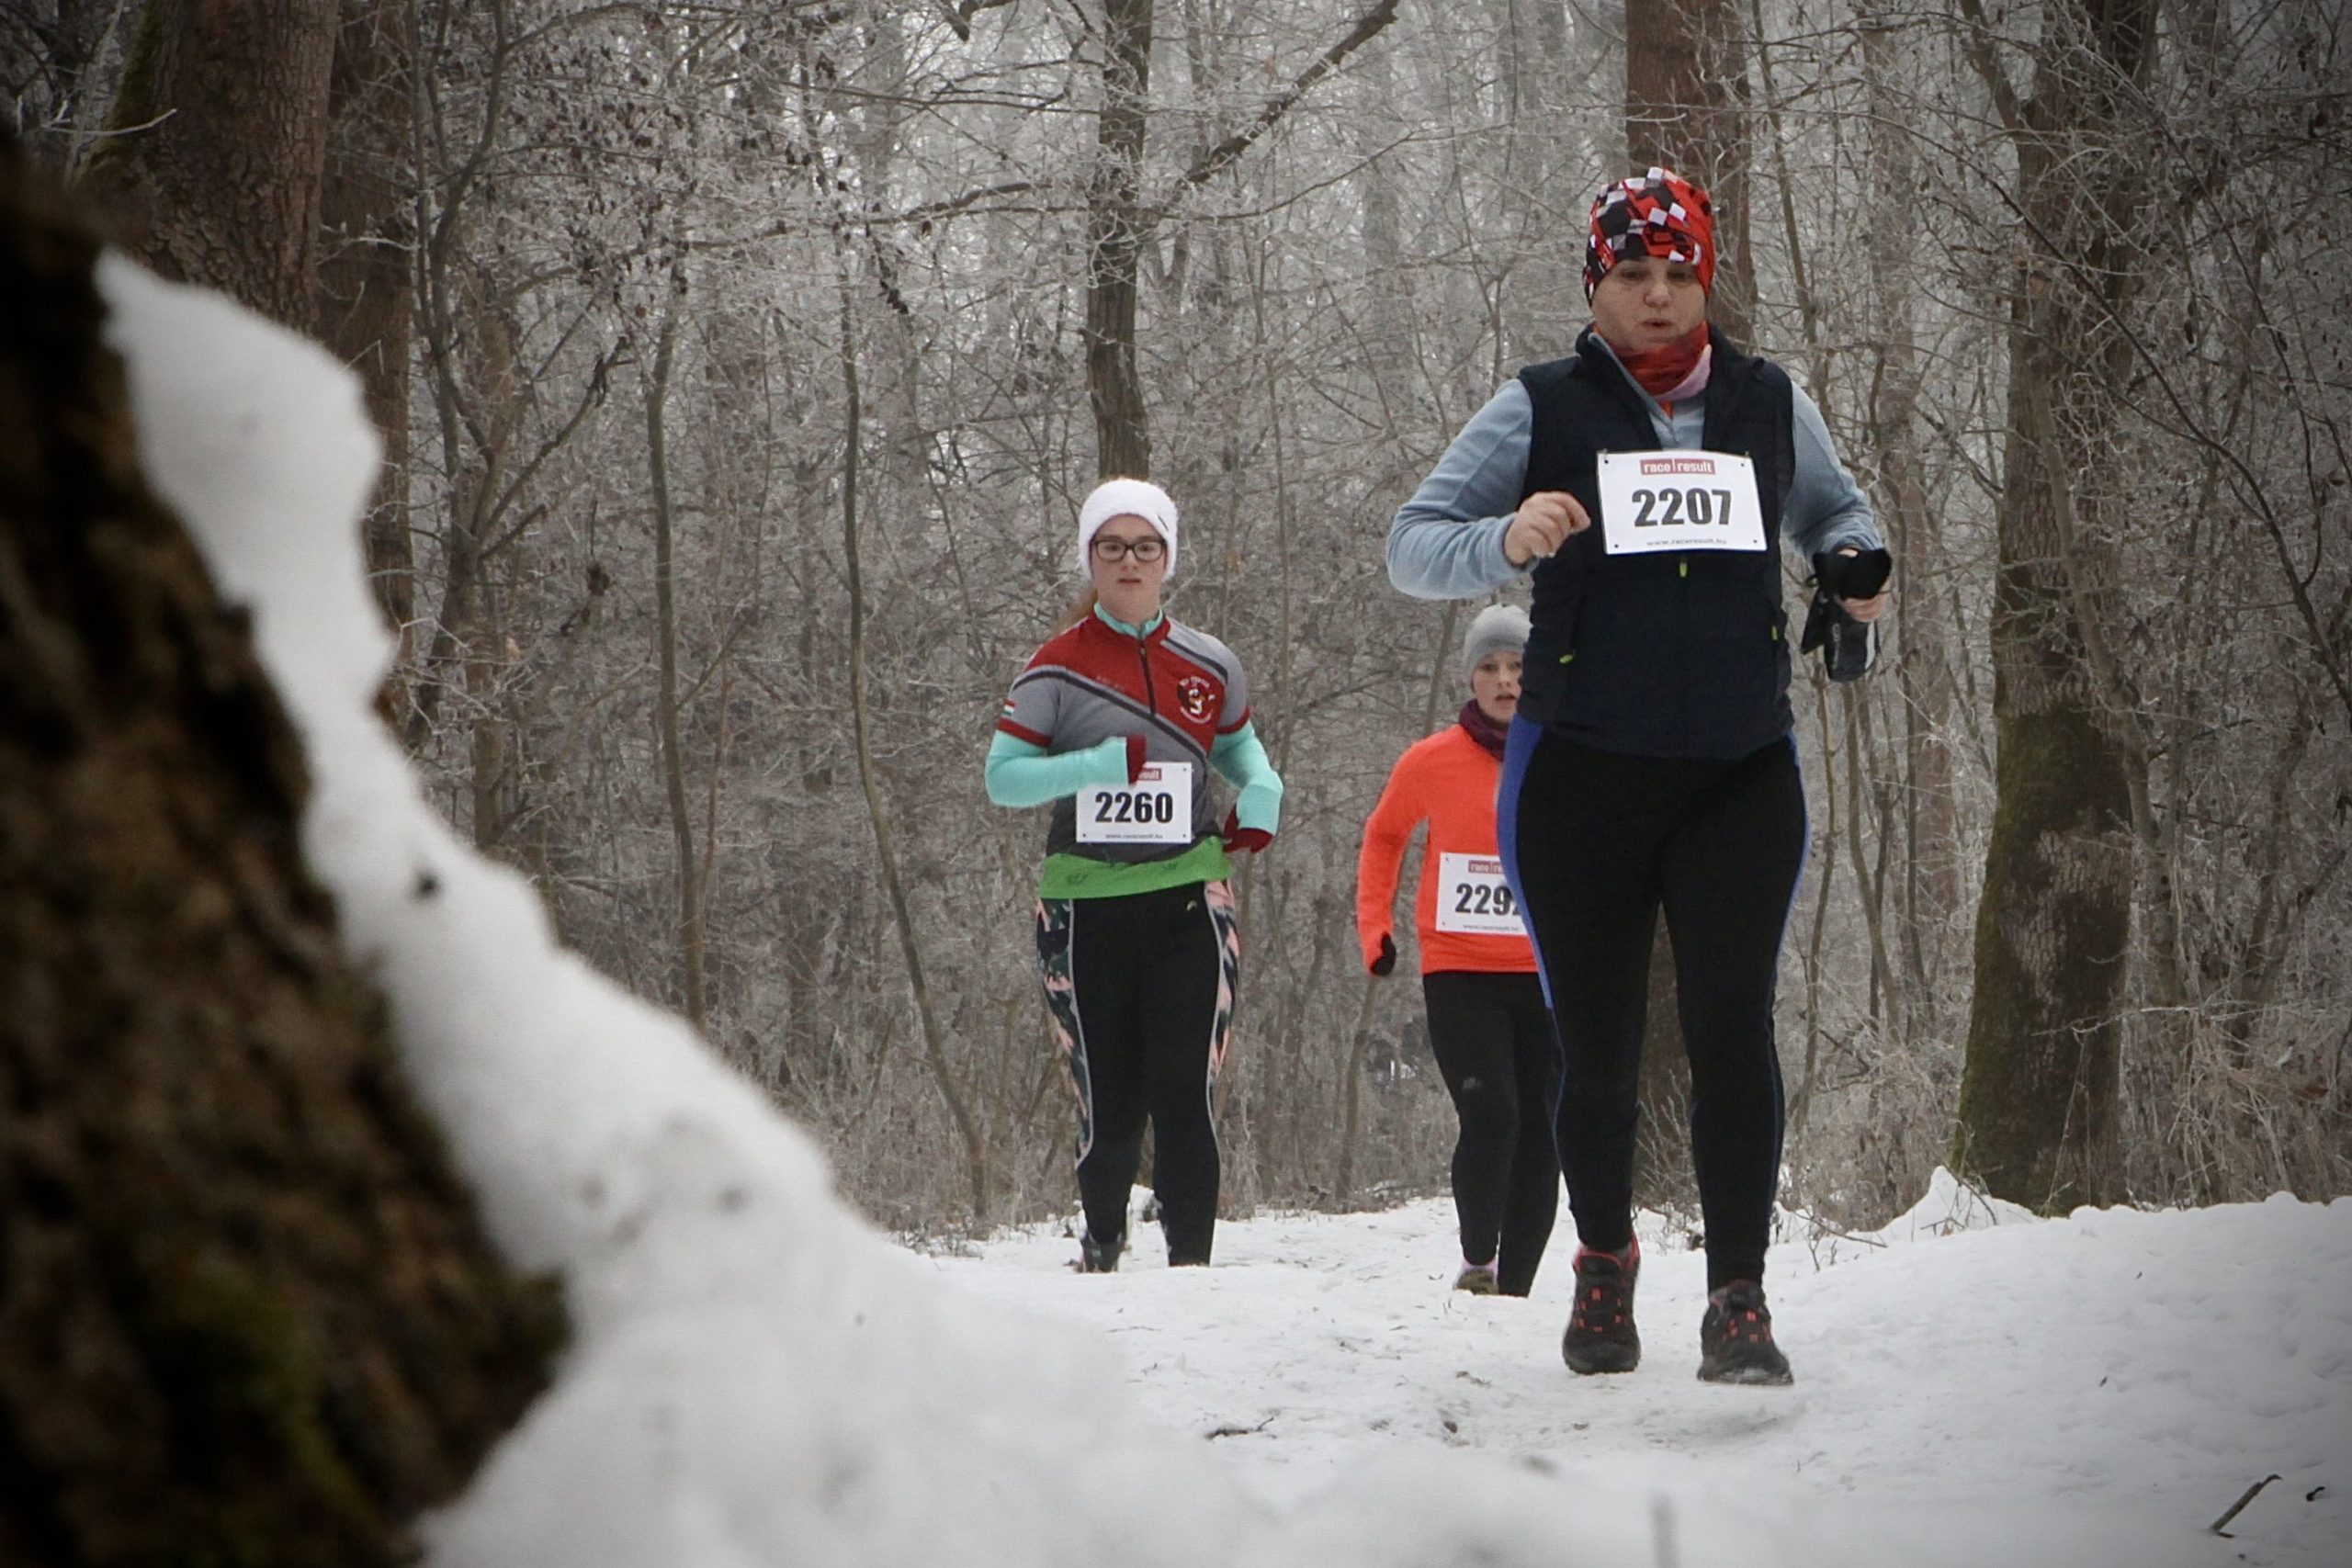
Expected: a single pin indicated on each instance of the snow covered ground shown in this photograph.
(1970, 1361)
(757, 1378)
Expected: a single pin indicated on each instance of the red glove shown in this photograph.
(1386, 961)
(1134, 757)
(1238, 838)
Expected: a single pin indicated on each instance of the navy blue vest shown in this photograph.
(1680, 654)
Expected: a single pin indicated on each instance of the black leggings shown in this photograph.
(1492, 1037)
(1596, 843)
(1141, 987)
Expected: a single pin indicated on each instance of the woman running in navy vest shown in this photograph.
(1649, 481)
(1117, 723)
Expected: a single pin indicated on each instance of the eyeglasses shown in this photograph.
(1147, 550)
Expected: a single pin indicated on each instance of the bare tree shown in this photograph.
(1333, 237)
(1122, 435)
(2038, 1103)
(1686, 108)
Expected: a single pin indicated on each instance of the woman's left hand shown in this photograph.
(1238, 838)
(1866, 610)
(1863, 610)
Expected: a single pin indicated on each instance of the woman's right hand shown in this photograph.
(1544, 522)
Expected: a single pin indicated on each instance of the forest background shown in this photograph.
(739, 366)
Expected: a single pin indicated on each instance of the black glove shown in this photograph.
(1386, 961)
(1847, 646)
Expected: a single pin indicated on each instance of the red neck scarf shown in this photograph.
(1483, 730)
(1662, 370)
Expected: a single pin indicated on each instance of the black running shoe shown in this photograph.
(1736, 1339)
(1600, 1337)
(1099, 1257)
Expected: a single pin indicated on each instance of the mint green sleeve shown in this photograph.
(1020, 773)
(1241, 758)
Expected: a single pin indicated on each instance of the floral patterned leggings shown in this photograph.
(1141, 987)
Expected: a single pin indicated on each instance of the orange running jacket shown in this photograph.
(1450, 781)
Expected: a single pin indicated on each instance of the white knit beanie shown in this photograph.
(1497, 628)
(1124, 498)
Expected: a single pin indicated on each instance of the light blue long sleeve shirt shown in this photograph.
(1020, 773)
(1447, 541)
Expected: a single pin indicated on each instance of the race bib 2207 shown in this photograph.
(1678, 500)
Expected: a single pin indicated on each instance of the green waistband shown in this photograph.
(1068, 875)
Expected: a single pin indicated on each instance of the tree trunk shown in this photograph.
(1686, 109)
(1932, 894)
(55, 57)
(1113, 241)
(665, 600)
(2038, 1094)
(1117, 224)
(367, 214)
(1388, 335)
(1546, 163)
(976, 1153)
(248, 1315)
(221, 135)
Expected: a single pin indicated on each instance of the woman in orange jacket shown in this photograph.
(1489, 1026)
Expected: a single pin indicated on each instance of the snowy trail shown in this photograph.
(2146, 1366)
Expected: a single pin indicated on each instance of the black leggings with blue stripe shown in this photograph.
(1597, 843)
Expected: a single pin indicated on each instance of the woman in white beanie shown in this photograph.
(1117, 723)
(1489, 1026)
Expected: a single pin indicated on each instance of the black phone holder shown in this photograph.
(1847, 646)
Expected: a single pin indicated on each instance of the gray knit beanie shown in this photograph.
(1497, 628)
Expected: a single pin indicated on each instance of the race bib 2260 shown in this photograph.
(1155, 809)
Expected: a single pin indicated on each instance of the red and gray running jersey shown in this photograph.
(1178, 688)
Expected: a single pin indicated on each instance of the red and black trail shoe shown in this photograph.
(1736, 1339)
(1600, 1336)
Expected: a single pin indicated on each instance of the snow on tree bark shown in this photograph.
(247, 1312)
